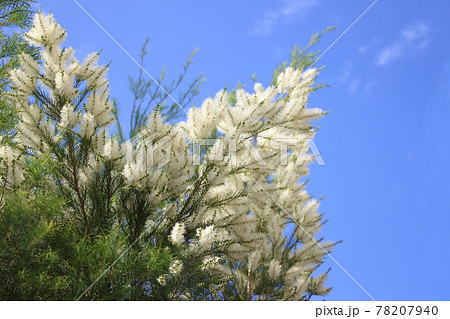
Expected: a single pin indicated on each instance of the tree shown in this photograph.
(173, 218)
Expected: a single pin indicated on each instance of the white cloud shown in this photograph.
(287, 10)
(411, 38)
(352, 81)
(368, 45)
(353, 86)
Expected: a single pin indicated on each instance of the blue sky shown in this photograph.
(385, 142)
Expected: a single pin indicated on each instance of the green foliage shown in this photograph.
(42, 257)
(301, 58)
(26, 259)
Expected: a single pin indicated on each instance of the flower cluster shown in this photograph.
(11, 171)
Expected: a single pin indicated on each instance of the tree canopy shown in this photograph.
(209, 208)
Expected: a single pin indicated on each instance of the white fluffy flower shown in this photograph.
(111, 150)
(175, 267)
(10, 165)
(132, 173)
(177, 234)
(87, 125)
(29, 65)
(210, 262)
(274, 269)
(253, 259)
(162, 280)
(201, 121)
(31, 115)
(68, 116)
(23, 81)
(287, 79)
(45, 31)
(99, 106)
(64, 83)
(205, 235)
